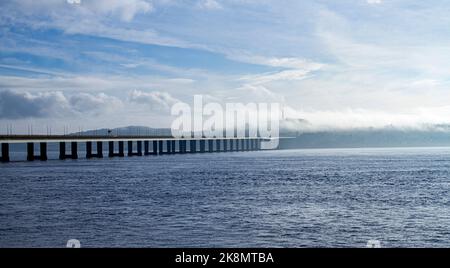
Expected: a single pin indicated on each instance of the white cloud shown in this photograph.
(286, 75)
(124, 10)
(74, 2)
(374, 2)
(259, 94)
(53, 104)
(155, 99)
(209, 4)
(103, 18)
(99, 103)
(284, 62)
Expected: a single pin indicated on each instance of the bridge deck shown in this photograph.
(82, 138)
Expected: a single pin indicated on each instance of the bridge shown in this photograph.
(135, 145)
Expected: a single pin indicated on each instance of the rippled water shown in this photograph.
(292, 198)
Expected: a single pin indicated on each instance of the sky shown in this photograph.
(86, 64)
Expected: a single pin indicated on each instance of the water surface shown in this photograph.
(289, 198)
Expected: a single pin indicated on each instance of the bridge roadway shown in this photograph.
(159, 145)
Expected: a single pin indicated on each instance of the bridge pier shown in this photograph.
(202, 146)
(225, 145)
(173, 147)
(100, 149)
(5, 152)
(168, 147)
(218, 146)
(88, 149)
(30, 151)
(210, 146)
(155, 147)
(160, 147)
(62, 151)
(111, 152)
(121, 145)
(146, 148)
(74, 150)
(193, 146)
(182, 145)
(130, 148)
(138, 148)
(43, 152)
(99, 153)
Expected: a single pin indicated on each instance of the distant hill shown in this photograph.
(126, 131)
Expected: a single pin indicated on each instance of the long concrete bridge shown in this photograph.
(136, 145)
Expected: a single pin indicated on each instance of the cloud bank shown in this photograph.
(53, 104)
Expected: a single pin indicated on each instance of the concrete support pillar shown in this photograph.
(43, 151)
(210, 146)
(169, 146)
(146, 148)
(111, 152)
(218, 146)
(202, 146)
(173, 147)
(88, 149)
(74, 149)
(121, 152)
(155, 147)
(182, 146)
(139, 148)
(247, 145)
(30, 151)
(160, 147)
(231, 145)
(130, 148)
(225, 145)
(99, 149)
(62, 150)
(5, 152)
(110, 148)
(193, 146)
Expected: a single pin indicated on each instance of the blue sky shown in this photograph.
(110, 63)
